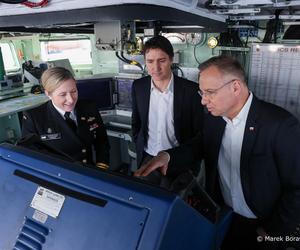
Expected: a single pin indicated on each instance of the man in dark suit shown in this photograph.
(73, 127)
(165, 107)
(252, 157)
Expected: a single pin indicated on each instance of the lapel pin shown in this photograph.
(83, 118)
(251, 128)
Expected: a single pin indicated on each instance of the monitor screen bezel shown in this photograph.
(111, 91)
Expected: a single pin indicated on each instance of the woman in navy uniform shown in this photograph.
(67, 124)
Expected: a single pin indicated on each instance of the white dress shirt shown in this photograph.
(229, 162)
(161, 132)
(62, 113)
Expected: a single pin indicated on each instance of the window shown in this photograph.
(10, 60)
(77, 51)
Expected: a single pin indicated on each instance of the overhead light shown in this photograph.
(183, 27)
(238, 11)
(289, 17)
(239, 26)
(252, 17)
(212, 42)
(291, 23)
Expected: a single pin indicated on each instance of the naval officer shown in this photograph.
(67, 124)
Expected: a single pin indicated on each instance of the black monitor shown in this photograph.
(99, 90)
(124, 93)
(4, 84)
(292, 33)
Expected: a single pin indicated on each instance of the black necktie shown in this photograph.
(70, 122)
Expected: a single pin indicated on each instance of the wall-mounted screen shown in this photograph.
(124, 93)
(99, 90)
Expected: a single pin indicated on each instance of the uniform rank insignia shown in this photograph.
(94, 126)
(90, 119)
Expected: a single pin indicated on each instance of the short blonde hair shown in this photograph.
(52, 78)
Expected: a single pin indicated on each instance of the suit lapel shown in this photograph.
(213, 134)
(54, 118)
(145, 102)
(215, 127)
(177, 105)
(251, 130)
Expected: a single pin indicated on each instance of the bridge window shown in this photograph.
(11, 63)
(77, 51)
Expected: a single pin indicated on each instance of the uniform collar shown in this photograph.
(62, 112)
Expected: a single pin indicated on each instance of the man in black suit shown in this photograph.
(73, 127)
(165, 107)
(252, 156)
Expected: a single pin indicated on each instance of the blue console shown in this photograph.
(50, 204)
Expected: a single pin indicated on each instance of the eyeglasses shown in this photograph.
(212, 92)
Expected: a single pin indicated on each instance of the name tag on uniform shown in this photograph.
(48, 137)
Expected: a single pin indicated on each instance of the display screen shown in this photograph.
(98, 90)
(4, 84)
(124, 93)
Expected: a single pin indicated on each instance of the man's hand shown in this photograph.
(158, 162)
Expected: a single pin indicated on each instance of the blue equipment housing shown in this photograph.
(101, 210)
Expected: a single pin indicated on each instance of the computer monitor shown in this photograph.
(99, 90)
(124, 93)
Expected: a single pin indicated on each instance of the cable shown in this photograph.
(181, 38)
(29, 4)
(195, 55)
(13, 1)
(201, 43)
(124, 58)
(277, 13)
(175, 66)
(131, 62)
(203, 39)
(35, 5)
(117, 55)
(272, 27)
(246, 43)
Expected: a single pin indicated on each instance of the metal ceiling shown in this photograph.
(255, 9)
(79, 16)
(60, 20)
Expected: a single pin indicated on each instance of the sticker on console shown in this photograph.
(39, 216)
(47, 201)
